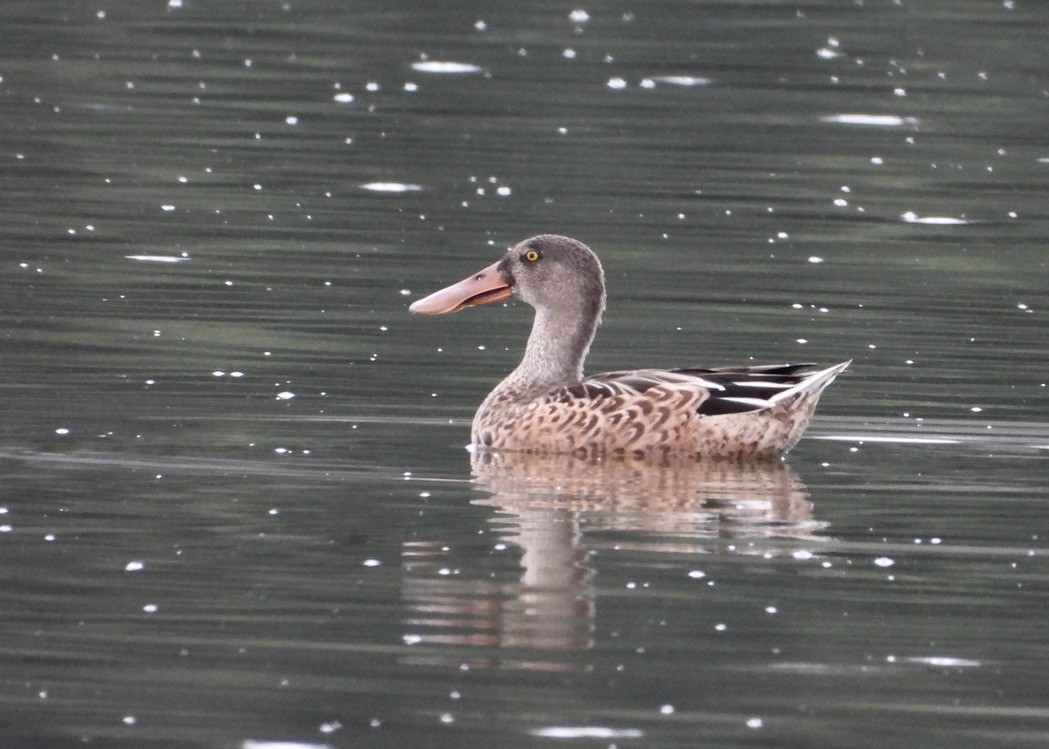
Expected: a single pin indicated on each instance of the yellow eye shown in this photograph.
(531, 256)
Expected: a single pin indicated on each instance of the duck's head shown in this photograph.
(550, 272)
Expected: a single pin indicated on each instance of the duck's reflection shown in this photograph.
(558, 510)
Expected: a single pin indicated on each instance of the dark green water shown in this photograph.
(236, 508)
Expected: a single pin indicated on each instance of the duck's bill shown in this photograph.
(483, 287)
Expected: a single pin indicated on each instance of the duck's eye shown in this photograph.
(531, 256)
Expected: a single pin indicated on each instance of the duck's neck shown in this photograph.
(555, 352)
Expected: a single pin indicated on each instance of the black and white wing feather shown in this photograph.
(729, 389)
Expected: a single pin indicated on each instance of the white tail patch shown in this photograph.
(814, 382)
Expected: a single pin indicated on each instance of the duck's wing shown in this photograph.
(724, 390)
(633, 412)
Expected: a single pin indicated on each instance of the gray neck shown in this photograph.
(556, 350)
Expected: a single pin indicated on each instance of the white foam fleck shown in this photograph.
(944, 661)
(680, 80)
(587, 732)
(870, 120)
(910, 217)
(390, 187)
(446, 67)
(892, 440)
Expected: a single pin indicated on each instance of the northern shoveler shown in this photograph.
(546, 405)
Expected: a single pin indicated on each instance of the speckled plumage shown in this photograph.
(547, 406)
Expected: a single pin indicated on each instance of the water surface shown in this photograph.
(236, 507)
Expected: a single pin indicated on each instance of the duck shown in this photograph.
(548, 406)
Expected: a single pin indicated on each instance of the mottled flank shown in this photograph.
(547, 406)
